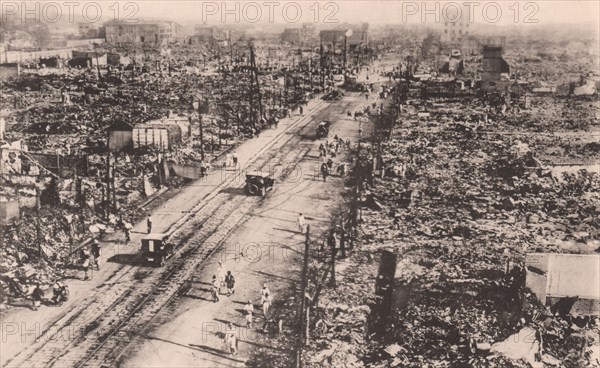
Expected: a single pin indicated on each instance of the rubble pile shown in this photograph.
(477, 201)
(339, 324)
(460, 202)
(36, 250)
(64, 114)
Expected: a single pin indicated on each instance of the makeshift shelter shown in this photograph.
(183, 123)
(120, 137)
(161, 134)
(9, 71)
(568, 283)
(51, 62)
(9, 210)
(116, 59)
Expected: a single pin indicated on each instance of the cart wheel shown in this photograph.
(253, 189)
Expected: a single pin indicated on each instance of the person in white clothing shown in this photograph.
(301, 223)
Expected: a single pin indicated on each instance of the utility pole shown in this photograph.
(201, 108)
(255, 86)
(322, 66)
(114, 188)
(342, 235)
(333, 252)
(108, 181)
(303, 282)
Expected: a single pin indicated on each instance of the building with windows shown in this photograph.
(354, 36)
(91, 30)
(142, 32)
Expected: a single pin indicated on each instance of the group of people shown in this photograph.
(266, 299)
(60, 294)
(220, 280)
(328, 151)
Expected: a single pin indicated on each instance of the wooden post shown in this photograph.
(343, 239)
(114, 189)
(38, 224)
(332, 282)
(307, 336)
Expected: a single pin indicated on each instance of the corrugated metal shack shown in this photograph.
(162, 134)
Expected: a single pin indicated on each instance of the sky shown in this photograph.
(293, 13)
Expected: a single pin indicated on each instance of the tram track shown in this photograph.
(98, 331)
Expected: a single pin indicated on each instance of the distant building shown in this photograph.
(210, 36)
(205, 31)
(298, 35)
(21, 40)
(142, 32)
(91, 30)
(493, 65)
(114, 58)
(292, 35)
(456, 26)
(354, 36)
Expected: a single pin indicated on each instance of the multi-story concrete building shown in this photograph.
(298, 35)
(142, 32)
(456, 26)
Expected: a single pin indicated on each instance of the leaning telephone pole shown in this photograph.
(254, 85)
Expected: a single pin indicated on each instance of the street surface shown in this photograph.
(107, 314)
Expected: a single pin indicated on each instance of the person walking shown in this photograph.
(86, 265)
(249, 311)
(149, 224)
(301, 224)
(235, 159)
(214, 289)
(96, 253)
(264, 291)
(228, 160)
(127, 229)
(324, 171)
(221, 276)
(301, 110)
(37, 296)
(266, 300)
(230, 282)
(231, 339)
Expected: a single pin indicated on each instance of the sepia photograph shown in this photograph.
(299, 184)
